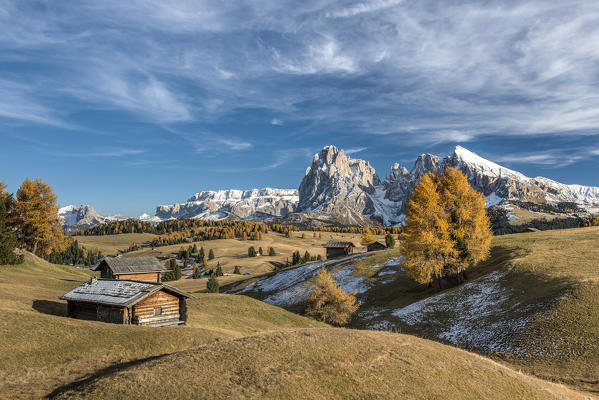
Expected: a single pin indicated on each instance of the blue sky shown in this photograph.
(128, 104)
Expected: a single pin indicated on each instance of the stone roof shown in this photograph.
(131, 265)
(118, 292)
(338, 245)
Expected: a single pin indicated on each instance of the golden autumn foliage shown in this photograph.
(34, 215)
(447, 228)
(329, 303)
(367, 238)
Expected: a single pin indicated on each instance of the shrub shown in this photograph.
(271, 252)
(237, 270)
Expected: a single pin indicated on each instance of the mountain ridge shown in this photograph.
(338, 188)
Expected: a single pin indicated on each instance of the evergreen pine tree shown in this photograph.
(251, 251)
(212, 284)
(271, 252)
(237, 270)
(306, 256)
(8, 239)
(260, 251)
(389, 241)
(219, 270)
(211, 255)
(194, 249)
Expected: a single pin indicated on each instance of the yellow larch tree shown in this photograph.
(367, 238)
(447, 228)
(427, 243)
(34, 216)
(470, 227)
(329, 303)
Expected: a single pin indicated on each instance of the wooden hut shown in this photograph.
(147, 269)
(339, 249)
(376, 246)
(531, 230)
(128, 302)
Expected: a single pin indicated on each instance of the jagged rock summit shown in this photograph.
(338, 186)
(349, 191)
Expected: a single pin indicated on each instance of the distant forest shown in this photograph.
(501, 226)
(193, 230)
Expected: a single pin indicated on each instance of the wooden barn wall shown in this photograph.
(146, 311)
(96, 312)
(146, 277)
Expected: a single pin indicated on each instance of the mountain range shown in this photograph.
(337, 188)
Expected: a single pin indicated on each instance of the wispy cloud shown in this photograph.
(355, 150)
(110, 152)
(554, 158)
(386, 67)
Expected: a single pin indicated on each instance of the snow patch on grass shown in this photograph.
(476, 315)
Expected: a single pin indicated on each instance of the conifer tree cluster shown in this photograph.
(174, 271)
(75, 255)
(447, 228)
(297, 258)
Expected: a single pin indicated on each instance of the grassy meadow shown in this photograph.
(236, 347)
(228, 252)
(49, 350)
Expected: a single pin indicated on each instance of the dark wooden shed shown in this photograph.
(128, 302)
(376, 246)
(339, 249)
(147, 269)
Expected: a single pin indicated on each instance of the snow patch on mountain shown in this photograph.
(243, 204)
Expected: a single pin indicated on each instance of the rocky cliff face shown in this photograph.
(338, 187)
(84, 217)
(244, 204)
(349, 191)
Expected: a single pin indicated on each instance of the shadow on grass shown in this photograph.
(99, 374)
(50, 307)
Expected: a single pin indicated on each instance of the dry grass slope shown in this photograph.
(48, 350)
(320, 364)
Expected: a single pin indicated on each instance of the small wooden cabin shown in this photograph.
(376, 246)
(128, 302)
(339, 249)
(530, 230)
(147, 269)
